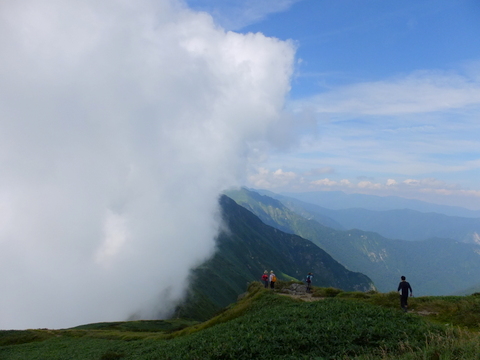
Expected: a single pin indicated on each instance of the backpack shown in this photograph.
(274, 278)
(264, 277)
(309, 278)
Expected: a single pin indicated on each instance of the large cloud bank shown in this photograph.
(120, 123)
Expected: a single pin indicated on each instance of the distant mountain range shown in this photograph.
(403, 224)
(245, 249)
(434, 266)
(337, 200)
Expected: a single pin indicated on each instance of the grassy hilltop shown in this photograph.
(268, 325)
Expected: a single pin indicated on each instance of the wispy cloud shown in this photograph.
(423, 125)
(236, 14)
(419, 92)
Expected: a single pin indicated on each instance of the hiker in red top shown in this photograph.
(265, 278)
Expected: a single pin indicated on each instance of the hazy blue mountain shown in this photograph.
(434, 266)
(469, 291)
(403, 224)
(409, 224)
(339, 200)
(248, 248)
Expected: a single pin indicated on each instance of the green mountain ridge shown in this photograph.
(434, 266)
(248, 248)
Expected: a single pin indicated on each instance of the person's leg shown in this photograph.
(403, 302)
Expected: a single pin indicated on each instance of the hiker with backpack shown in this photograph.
(309, 282)
(272, 280)
(265, 278)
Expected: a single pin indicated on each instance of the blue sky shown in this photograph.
(385, 96)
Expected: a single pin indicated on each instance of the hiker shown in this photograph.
(272, 279)
(265, 278)
(403, 288)
(309, 281)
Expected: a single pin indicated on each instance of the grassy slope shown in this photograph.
(266, 325)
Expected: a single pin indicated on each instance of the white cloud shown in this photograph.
(266, 179)
(368, 185)
(325, 182)
(427, 189)
(391, 182)
(120, 124)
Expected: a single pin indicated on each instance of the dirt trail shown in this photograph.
(304, 297)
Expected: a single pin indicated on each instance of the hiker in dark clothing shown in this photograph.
(403, 288)
(309, 282)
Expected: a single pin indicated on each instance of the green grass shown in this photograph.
(15, 337)
(462, 311)
(264, 325)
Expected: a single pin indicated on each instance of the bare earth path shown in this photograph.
(304, 297)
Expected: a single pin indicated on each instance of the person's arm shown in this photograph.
(411, 291)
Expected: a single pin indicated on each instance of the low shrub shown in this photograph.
(326, 292)
(112, 355)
